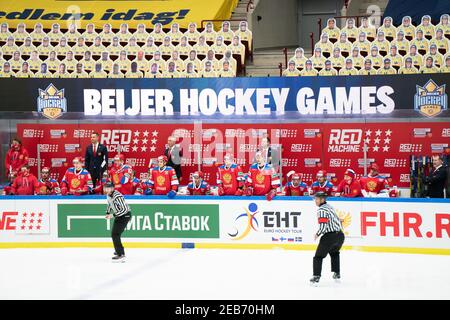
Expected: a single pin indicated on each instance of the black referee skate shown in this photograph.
(337, 277)
(314, 281)
(118, 258)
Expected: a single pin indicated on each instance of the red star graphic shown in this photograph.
(32, 214)
(24, 221)
(38, 227)
(30, 227)
(22, 227)
(24, 214)
(31, 221)
(39, 221)
(40, 214)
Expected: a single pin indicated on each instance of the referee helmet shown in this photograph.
(320, 194)
(108, 185)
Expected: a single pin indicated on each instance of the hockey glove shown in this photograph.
(171, 194)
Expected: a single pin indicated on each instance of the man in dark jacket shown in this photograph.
(437, 178)
(174, 153)
(96, 158)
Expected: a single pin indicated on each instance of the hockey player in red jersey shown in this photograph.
(137, 184)
(47, 185)
(374, 185)
(230, 178)
(262, 179)
(25, 183)
(16, 157)
(7, 188)
(295, 185)
(99, 186)
(321, 184)
(77, 180)
(120, 174)
(144, 185)
(198, 186)
(349, 186)
(162, 179)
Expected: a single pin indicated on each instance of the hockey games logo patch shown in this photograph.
(51, 102)
(431, 99)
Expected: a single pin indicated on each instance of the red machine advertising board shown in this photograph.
(305, 148)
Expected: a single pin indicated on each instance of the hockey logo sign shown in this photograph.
(431, 99)
(51, 102)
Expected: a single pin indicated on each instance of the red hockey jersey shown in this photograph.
(351, 190)
(49, 187)
(137, 187)
(300, 190)
(99, 186)
(76, 182)
(121, 177)
(24, 185)
(326, 187)
(201, 190)
(374, 184)
(7, 190)
(262, 180)
(15, 159)
(161, 181)
(230, 179)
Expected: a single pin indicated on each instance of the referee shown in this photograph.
(330, 228)
(118, 208)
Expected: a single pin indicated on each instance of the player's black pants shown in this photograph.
(120, 223)
(330, 243)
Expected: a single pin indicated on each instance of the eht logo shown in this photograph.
(406, 224)
(281, 219)
(8, 220)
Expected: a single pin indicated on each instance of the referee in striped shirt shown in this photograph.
(119, 209)
(331, 238)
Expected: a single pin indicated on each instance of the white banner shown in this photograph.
(367, 223)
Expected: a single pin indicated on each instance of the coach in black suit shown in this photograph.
(174, 153)
(96, 158)
(437, 178)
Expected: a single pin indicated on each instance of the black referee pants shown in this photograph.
(330, 243)
(120, 223)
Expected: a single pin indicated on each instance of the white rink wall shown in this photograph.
(385, 225)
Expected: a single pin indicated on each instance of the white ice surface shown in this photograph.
(217, 274)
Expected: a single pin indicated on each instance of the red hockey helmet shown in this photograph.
(321, 173)
(291, 175)
(374, 166)
(45, 169)
(119, 157)
(197, 174)
(350, 173)
(297, 176)
(228, 157)
(163, 158)
(78, 159)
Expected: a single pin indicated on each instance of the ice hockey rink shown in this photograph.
(76, 273)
